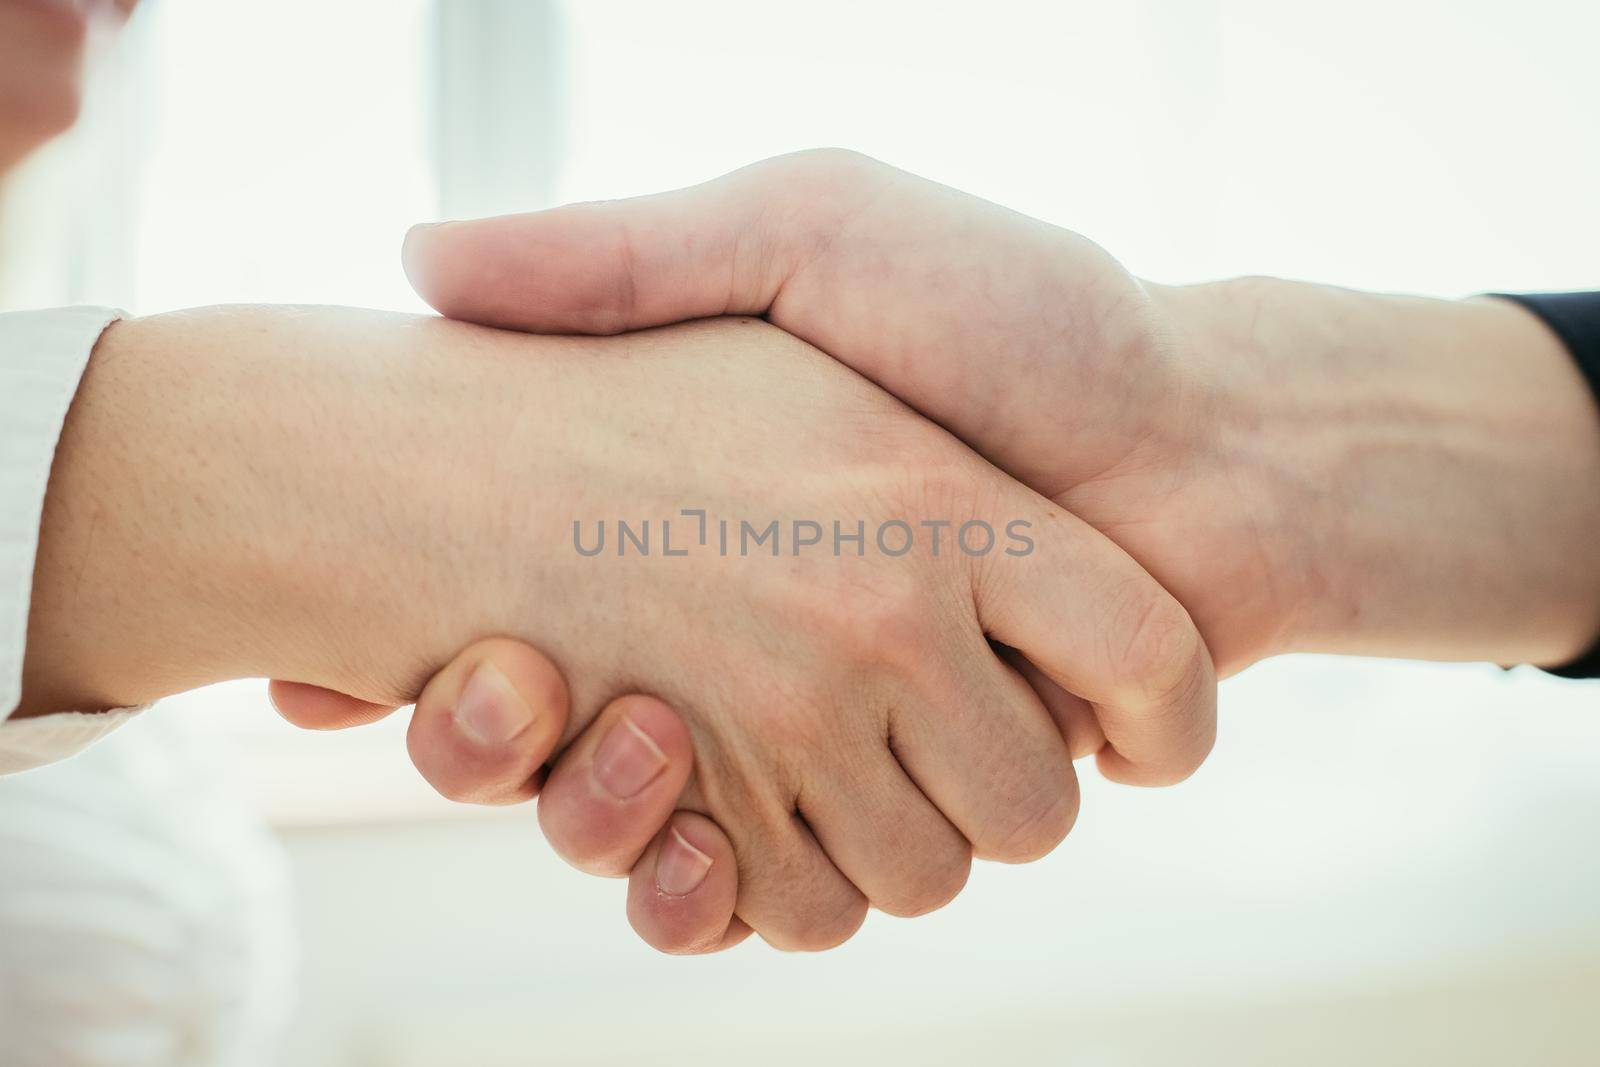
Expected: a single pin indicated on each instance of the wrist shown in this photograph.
(1428, 471)
(102, 629)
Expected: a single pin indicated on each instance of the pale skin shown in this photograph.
(1306, 468)
(344, 498)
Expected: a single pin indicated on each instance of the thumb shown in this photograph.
(311, 707)
(601, 268)
(1096, 624)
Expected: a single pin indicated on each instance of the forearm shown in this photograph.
(1433, 466)
(226, 498)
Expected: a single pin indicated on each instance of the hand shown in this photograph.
(1297, 463)
(356, 465)
(1305, 468)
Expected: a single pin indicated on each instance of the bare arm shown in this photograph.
(1429, 470)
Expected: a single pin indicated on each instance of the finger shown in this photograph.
(486, 724)
(990, 756)
(613, 790)
(312, 707)
(1073, 715)
(1098, 625)
(608, 267)
(682, 892)
(884, 835)
(615, 787)
(790, 891)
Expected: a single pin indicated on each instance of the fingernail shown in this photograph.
(490, 711)
(680, 868)
(627, 760)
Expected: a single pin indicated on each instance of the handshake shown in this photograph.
(794, 617)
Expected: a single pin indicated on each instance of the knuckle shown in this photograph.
(1193, 752)
(834, 164)
(932, 477)
(624, 300)
(1156, 650)
(1041, 822)
(602, 303)
(823, 930)
(930, 888)
(814, 191)
(1162, 663)
(890, 620)
(876, 619)
(794, 722)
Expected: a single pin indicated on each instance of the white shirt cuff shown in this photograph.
(35, 742)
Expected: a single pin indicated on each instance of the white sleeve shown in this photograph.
(42, 357)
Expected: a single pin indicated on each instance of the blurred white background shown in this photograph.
(1382, 862)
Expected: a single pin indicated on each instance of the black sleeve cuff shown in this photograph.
(1585, 666)
(1575, 318)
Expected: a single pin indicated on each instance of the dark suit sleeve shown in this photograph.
(1575, 318)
